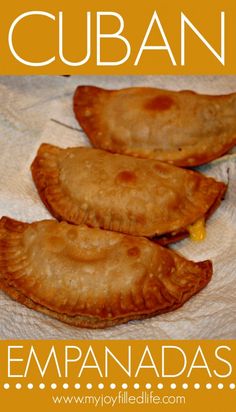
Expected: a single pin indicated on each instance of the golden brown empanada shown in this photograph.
(90, 277)
(183, 128)
(122, 193)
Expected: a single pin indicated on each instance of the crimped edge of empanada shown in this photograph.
(45, 173)
(86, 110)
(91, 322)
(11, 226)
(182, 234)
(46, 179)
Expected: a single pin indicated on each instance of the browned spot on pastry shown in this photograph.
(126, 176)
(72, 234)
(160, 103)
(160, 168)
(141, 219)
(133, 251)
(55, 243)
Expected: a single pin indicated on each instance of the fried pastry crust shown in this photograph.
(183, 128)
(93, 278)
(121, 193)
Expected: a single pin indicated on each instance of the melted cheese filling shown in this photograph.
(197, 230)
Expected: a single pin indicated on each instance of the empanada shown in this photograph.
(90, 277)
(121, 193)
(183, 128)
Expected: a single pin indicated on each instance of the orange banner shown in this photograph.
(124, 375)
(118, 37)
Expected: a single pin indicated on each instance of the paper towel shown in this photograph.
(36, 109)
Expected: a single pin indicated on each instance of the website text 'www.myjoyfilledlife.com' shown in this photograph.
(122, 398)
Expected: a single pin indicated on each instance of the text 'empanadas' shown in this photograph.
(90, 277)
(121, 193)
(183, 128)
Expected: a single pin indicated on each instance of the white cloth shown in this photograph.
(30, 110)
